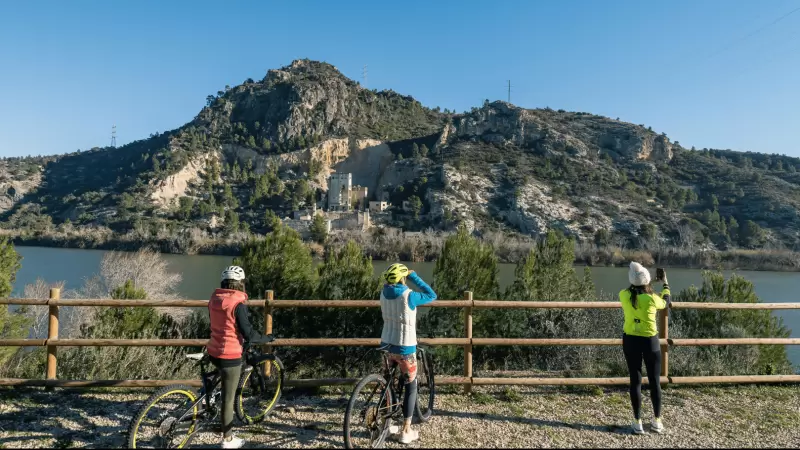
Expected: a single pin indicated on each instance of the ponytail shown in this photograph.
(636, 291)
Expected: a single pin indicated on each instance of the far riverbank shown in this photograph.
(426, 247)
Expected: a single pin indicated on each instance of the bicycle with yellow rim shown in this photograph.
(174, 415)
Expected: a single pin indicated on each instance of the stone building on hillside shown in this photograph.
(359, 199)
(378, 206)
(343, 196)
(340, 186)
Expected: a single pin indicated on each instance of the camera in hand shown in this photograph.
(660, 274)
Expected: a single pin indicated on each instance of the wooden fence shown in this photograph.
(53, 342)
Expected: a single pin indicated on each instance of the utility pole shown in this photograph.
(114, 136)
(509, 91)
(364, 75)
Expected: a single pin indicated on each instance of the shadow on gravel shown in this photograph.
(93, 419)
(62, 419)
(613, 429)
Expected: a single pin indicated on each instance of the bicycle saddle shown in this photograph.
(195, 356)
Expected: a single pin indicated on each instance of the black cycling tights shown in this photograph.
(410, 399)
(636, 349)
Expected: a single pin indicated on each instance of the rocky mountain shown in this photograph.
(265, 148)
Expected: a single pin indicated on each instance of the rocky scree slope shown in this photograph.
(266, 147)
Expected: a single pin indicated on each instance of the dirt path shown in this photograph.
(749, 416)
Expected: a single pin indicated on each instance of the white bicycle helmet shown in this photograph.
(235, 273)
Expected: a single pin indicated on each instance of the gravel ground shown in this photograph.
(744, 416)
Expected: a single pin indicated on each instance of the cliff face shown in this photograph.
(271, 144)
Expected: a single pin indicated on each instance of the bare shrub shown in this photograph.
(150, 274)
(115, 363)
(40, 289)
(146, 268)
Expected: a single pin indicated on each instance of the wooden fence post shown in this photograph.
(663, 333)
(269, 296)
(52, 333)
(468, 347)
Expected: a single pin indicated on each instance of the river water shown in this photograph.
(201, 276)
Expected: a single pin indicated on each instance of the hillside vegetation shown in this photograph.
(263, 149)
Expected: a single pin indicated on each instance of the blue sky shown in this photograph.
(690, 68)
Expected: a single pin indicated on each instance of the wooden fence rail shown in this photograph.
(53, 342)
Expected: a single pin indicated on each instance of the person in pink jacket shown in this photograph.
(230, 329)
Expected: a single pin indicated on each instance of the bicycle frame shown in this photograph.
(212, 379)
(390, 374)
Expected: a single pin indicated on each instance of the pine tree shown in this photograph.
(319, 229)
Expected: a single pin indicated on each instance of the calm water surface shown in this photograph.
(201, 276)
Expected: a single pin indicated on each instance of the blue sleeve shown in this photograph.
(420, 298)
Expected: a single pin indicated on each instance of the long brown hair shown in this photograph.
(639, 290)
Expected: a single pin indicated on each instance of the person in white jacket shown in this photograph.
(399, 309)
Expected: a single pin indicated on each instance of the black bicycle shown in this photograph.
(377, 399)
(173, 415)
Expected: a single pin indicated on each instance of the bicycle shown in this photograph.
(376, 418)
(256, 395)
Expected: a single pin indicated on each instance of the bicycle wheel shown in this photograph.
(166, 420)
(366, 420)
(258, 393)
(426, 389)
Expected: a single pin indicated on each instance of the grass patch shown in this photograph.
(510, 395)
(785, 420)
(517, 410)
(592, 390)
(615, 400)
(482, 398)
(447, 389)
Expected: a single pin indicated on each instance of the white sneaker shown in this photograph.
(234, 442)
(394, 429)
(637, 427)
(411, 436)
(656, 426)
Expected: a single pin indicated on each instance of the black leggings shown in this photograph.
(637, 348)
(410, 399)
(231, 371)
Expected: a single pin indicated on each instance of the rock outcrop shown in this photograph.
(550, 131)
(167, 191)
(312, 99)
(14, 187)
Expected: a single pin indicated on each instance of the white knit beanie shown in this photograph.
(638, 275)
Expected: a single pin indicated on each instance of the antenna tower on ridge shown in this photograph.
(509, 91)
(114, 136)
(364, 75)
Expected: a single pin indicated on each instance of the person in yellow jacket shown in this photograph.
(640, 340)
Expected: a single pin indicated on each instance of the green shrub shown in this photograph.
(319, 229)
(279, 262)
(546, 274)
(466, 264)
(12, 325)
(127, 362)
(701, 323)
